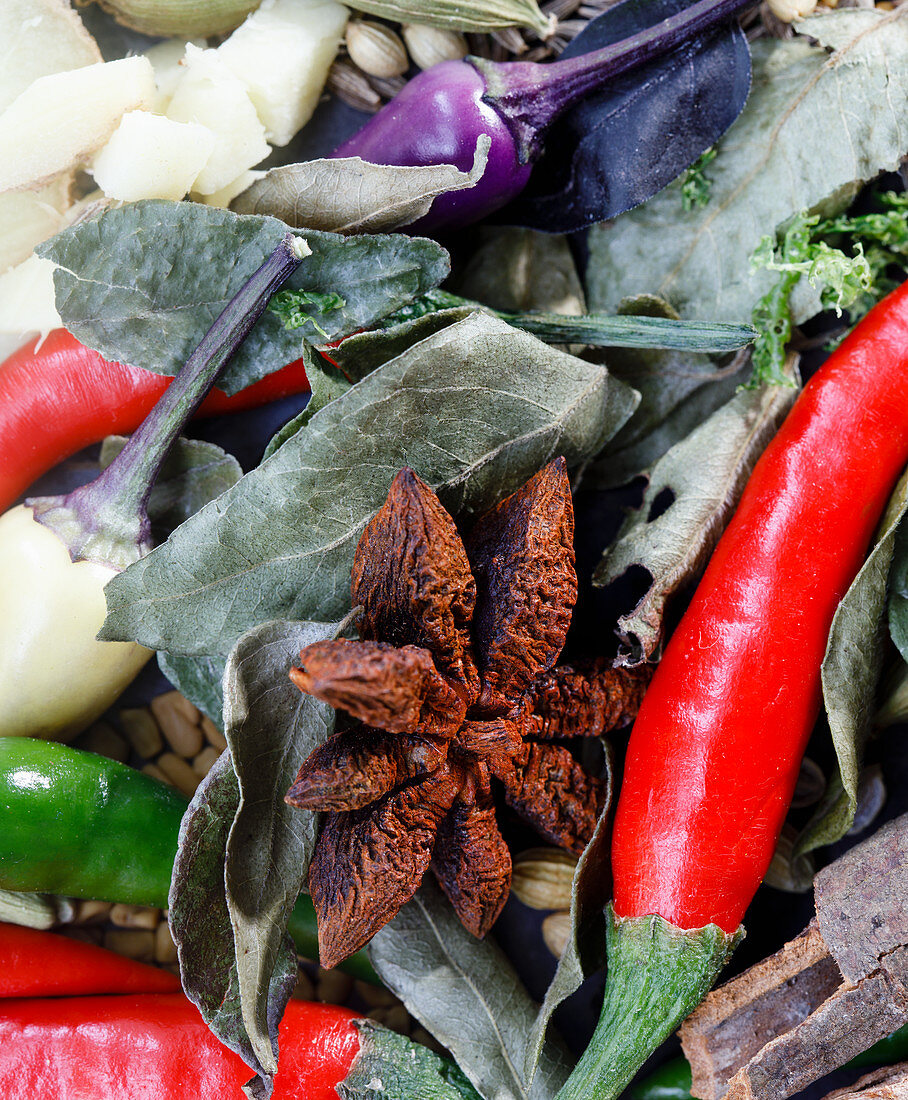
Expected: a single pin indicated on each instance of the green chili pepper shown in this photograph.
(83, 826)
(672, 1080)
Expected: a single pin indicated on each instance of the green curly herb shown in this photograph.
(695, 184)
(847, 258)
(295, 308)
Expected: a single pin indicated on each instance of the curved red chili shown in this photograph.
(34, 964)
(714, 754)
(62, 396)
(157, 1046)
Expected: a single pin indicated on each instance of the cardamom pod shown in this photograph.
(787, 872)
(463, 15)
(430, 45)
(542, 878)
(186, 18)
(555, 931)
(376, 49)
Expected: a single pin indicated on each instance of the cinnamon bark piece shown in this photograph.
(886, 1083)
(831, 993)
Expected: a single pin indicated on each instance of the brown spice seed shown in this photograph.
(213, 734)
(178, 772)
(104, 740)
(179, 721)
(135, 916)
(142, 731)
(135, 943)
(165, 950)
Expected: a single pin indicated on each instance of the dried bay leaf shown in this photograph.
(200, 679)
(678, 391)
(243, 853)
(704, 476)
(516, 269)
(850, 671)
(814, 124)
(350, 195)
(142, 283)
(271, 727)
(200, 920)
(584, 952)
(466, 993)
(474, 409)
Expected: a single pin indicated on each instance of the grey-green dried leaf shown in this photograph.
(850, 673)
(475, 409)
(517, 269)
(389, 1066)
(200, 679)
(898, 594)
(462, 15)
(704, 476)
(678, 391)
(584, 952)
(466, 993)
(271, 727)
(142, 283)
(194, 473)
(325, 383)
(350, 195)
(200, 920)
(814, 125)
(365, 352)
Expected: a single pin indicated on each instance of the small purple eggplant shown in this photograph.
(439, 115)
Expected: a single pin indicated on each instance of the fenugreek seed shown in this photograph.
(376, 49)
(91, 912)
(165, 950)
(155, 772)
(141, 731)
(135, 916)
(213, 734)
(304, 990)
(179, 721)
(178, 772)
(375, 996)
(333, 986)
(555, 931)
(104, 740)
(205, 761)
(542, 878)
(135, 943)
(429, 46)
(84, 934)
(789, 10)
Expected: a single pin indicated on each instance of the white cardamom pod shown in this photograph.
(463, 15)
(376, 49)
(430, 45)
(187, 20)
(542, 878)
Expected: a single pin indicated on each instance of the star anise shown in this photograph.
(452, 686)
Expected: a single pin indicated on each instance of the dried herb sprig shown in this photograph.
(452, 687)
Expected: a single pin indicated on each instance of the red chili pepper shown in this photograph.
(61, 397)
(714, 754)
(42, 964)
(156, 1046)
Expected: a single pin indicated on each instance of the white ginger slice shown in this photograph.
(226, 195)
(38, 38)
(27, 298)
(210, 94)
(282, 54)
(151, 157)
(60, 120)
(29, 217)
(167, 61)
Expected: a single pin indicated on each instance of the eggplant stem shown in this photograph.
(109, 515)
(530, 96)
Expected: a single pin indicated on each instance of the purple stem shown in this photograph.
(107, 520)
(529, 96)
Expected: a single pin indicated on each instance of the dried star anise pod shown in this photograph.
(452, 686)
